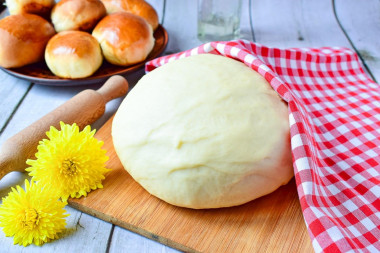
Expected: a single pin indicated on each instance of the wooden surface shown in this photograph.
(273, 223)
(280, 23)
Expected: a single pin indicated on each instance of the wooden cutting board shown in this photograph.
(273, 223)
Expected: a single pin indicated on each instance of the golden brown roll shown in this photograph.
(125, 38)
(138, 7)
(73, 54)
(80, 15)
(20, 43)
(38, 7)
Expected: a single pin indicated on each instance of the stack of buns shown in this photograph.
(73, 36)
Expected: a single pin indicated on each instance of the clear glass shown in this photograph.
(218, 20)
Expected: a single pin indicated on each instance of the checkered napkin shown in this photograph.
(334, 114)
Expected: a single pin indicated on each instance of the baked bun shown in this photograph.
(38, 7)
(204, 132)
(138, 7)
(20, 43)
(73, 54)
(80, 15)
(125, 38)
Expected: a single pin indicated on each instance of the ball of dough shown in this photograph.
(38, 7)
(204, 132)
(80, 15)
(138, 7)
(73, 54)
(20, 44)
(124, 37)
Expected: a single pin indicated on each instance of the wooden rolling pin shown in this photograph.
(83, 109)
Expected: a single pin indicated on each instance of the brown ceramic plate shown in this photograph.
(40, 73)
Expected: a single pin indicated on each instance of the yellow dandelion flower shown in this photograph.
(34, 215)
(70, 160)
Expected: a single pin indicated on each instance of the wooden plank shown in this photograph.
(39, 101)
(83, 234)
(180, 20)
(272, 223)
(245, 21)
(361, 21)
(42, 99)
(296, 23)
(158, 5)
(12, 91)
(48, 98)
(126, 241)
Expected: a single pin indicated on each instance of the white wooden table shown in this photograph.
(278, 23)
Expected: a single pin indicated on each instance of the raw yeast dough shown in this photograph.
(204, 132)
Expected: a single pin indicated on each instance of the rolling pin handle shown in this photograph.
(116, 86)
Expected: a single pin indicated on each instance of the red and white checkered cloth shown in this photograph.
(334, 114)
